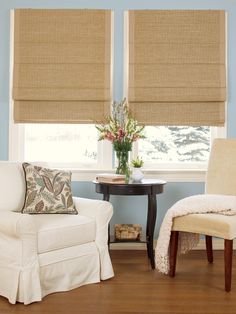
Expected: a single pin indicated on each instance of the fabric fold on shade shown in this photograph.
(61, 111)
(62, 65)
(177, 71)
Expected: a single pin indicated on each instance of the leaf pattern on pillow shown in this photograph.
(30, 198)
(59, 189)
(48, 183)
(47, 191)
(39, 206)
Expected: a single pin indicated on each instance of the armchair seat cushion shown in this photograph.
(210, 224)
(62, 231)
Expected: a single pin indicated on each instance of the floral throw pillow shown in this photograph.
(47, 191)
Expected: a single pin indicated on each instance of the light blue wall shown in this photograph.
(129, 210)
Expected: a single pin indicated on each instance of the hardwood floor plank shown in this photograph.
(197, 288)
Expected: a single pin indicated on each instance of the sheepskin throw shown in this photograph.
(198, 204)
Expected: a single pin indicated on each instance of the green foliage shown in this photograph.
(137, 163)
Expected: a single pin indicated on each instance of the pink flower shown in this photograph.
(110, 137)
(121, 134)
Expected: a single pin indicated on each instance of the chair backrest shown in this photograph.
(12, 186)
(221, 172)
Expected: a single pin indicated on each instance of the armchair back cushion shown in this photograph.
(12, 186)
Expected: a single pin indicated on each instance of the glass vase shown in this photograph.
(123, 163)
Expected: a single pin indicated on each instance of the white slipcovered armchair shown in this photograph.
(45, 253)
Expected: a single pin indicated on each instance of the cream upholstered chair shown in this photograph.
(46, 253)
(220, 179)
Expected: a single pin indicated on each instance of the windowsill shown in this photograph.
(169, 175)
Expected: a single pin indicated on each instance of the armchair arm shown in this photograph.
(20, 237)
(16, 224)
(102, 212)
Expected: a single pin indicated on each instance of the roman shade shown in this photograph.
(176, 67)
(62, 65)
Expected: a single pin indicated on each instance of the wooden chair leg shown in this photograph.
(209, 249)
(173, 252)
(228, 263)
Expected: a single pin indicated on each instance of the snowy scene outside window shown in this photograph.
(175, 144)
(78, 144)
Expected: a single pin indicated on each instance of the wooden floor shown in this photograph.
(197, 288)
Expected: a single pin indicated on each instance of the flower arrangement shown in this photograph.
(121, 130)
(137, 163)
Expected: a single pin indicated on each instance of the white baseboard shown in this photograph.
(218, 244)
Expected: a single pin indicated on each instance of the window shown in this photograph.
(58, 91)
(76, 146)
(60, 143)
(166, 147)
(175, 144)
(177, 147)
(170, 81)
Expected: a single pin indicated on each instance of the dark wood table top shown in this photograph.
(144, 187)
(146, 182)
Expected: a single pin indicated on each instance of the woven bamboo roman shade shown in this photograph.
(177, 72)
(62, 65)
